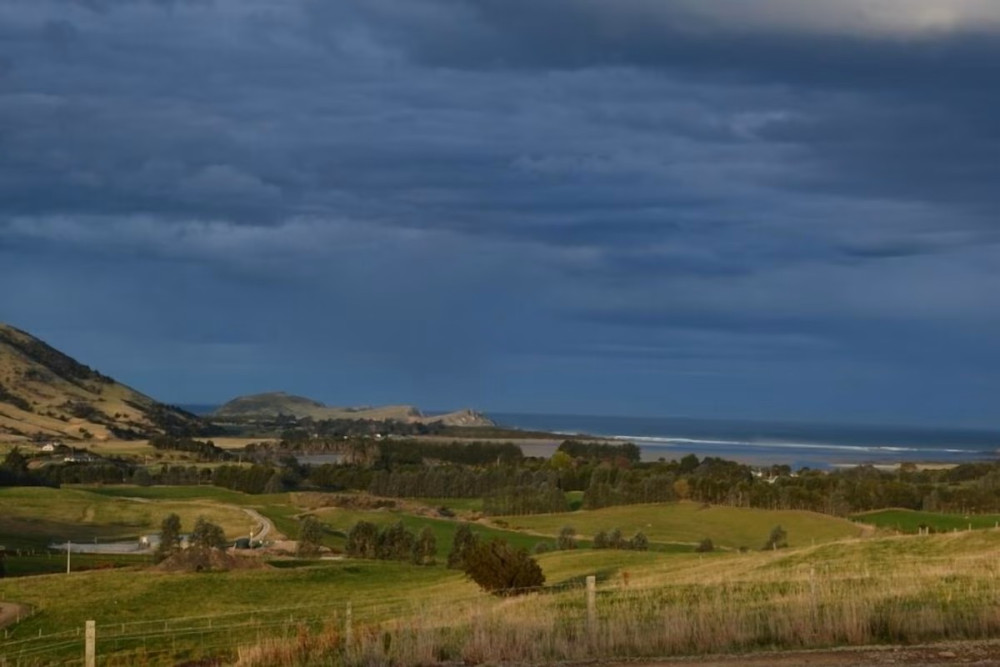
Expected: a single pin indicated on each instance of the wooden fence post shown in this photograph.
(591, 602)
(90, 649)
(348, 630)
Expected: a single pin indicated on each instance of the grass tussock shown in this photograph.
(865, 595)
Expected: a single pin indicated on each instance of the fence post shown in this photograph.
(591, 602)
(348, 630)
(90, 650)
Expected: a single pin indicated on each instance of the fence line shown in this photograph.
(227, 631)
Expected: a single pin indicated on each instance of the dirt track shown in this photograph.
(953, 653)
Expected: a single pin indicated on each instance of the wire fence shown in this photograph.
(163, 639)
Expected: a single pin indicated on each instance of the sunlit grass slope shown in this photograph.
(33, 517)
(690, 522)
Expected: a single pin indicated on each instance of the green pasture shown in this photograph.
(688, 522)
(342, 520)
(910, 521)
(454, 504)
(34, 517)
(191, 616)
(25, 564)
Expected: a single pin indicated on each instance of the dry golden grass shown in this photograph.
(690, 522)
(50, 396)
(899, 590)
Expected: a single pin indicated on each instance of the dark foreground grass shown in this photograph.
(24, 565)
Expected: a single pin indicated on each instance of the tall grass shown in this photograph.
(759, 601)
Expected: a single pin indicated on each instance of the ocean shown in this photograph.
(797, 444)
(772, 442)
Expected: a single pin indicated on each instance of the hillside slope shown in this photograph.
(46, 393)
(273, 404)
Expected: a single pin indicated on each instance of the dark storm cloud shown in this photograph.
(430, 189)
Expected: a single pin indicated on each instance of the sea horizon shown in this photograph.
(763, 442)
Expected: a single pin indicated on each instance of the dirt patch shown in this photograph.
(214, 560)
(952, 653)
(12, 612)
(351, 501)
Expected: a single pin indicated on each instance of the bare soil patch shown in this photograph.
(197, 560)
(11, 612)
(952, 653)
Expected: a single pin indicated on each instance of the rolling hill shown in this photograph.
(46, 393)
(274, 404)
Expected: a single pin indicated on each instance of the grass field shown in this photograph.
(55, 563)
(444, 529)
(909, 521)
(897, 589)
(33, 517)
(454, 504)
(825, 591)
(193, 615)
(688, 522)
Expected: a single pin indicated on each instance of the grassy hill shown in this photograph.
(34, 517)
(47, 393)
(690, 522)
(274, 404)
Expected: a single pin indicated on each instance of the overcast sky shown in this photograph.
(773, 209)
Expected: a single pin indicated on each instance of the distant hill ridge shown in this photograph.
(44, 392)
(274, 404)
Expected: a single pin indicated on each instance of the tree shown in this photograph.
(310, 536)
(425, 548)
(170, 538)
(567, 538)
(16, 463)
(639, 542)
(463, 542)
(688, 464)
(207, 535)
(705, 546)
(778, 539)
(501, 569)
(616, 540)
(561, 461)
(275, 484)
(362, 541)
(395, 543)
(601, 540)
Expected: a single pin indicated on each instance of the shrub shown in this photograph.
(601, 540)
(542, 548)
(567, 538)
(425, 548)
(207, 535)
(705, 546)
(503, 570)
(616, 540)
(778, 539)
(310, 536)
(639, 542)
(362, 541)
(170, 538)
(463, 543)
(396, 543)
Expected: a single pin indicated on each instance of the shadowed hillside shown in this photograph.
(46, 393)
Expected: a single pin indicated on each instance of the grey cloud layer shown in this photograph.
(619, 175)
